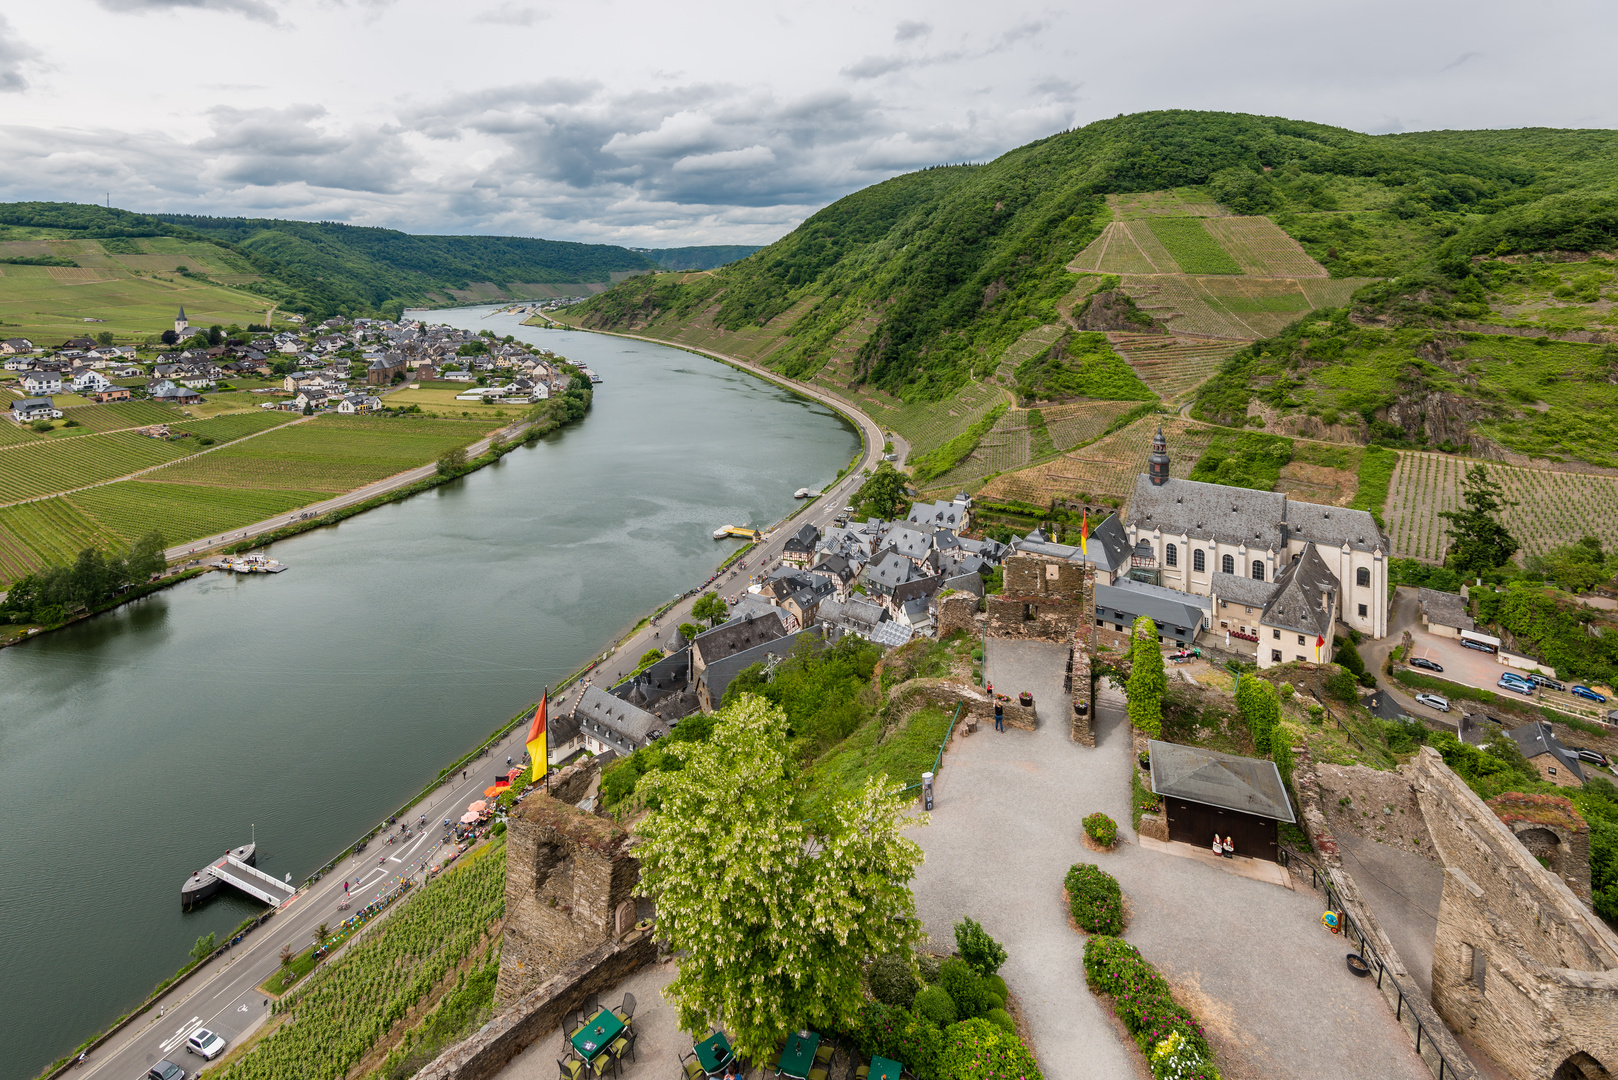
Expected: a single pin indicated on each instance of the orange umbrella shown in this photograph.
(491, 792)
(477, 807)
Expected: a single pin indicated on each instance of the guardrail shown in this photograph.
(1354, 934)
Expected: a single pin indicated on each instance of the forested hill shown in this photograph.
(710, 257)
(953, 264)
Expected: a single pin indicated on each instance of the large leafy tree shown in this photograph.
(711, 607)
(883, 493)
(773, 914)
(1478, 541)
(1147, 681)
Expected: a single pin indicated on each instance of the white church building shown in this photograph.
(1280, 573)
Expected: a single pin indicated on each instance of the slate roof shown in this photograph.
(1236, 589)
(1262, 519)
(1109, 548)
(750, 604)
(970, 582)
(611, 720)
(802, 540)
(909, 542)
(1170, 609)
(945, 515)
(1445, 609)
(733, 637)
(718, 676)
(892, 634)
(856, 613)
(1536, 738)
(1249, 785)
(1297, 604)
(890, 570)
(921, 589)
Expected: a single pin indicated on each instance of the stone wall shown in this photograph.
(1043, 598)
(568, 876)
(540, 1011)
(1082, 682)
(1553, 832)
(1519, 964)
(957, 611)
(947, 694)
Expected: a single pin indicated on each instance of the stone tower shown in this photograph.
(1157, 465)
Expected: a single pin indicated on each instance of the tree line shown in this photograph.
(52, 595)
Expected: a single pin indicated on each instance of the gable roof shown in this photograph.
(733, 637)
(944, 515)
(1249, 785)
(718, 676)
(611, 720)
(1266, 520)
(1164, 606)
(1236, 589)
(1537, 738)
(1445, 609)
(1305, 599)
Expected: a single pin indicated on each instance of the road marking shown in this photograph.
(406, 851)
(179, 1037)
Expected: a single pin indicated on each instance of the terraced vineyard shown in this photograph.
(1552, 508)
(1171, 366)
(1005, 447)
(1182, 307)
(1125, 247)
(1081, 422)
(1105, 469)
(330, 454)
(1031, 344)
(1262, 249)
(185, 511)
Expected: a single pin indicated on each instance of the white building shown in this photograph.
(39, 383)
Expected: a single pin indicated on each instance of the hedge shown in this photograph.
(1141, 999)
(979, 1050)
(1095, 899)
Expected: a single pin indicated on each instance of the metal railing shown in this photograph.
(938, 761)
(1352, 930)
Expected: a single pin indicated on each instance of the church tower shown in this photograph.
(1157, 465)
(180, 324)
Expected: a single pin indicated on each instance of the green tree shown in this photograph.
(105, 337)
(1147, 681)
(977, 948)
(1261, 710)
(883, 494)
(773, 914)
(1576, 567)
(321, 934)
(452, 461)
(709, 606)
(689, 630)
(203, 948)
(1478, 541)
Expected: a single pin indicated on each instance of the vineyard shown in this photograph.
(234, 426)
(1192, 247)
(344, 1008)
(120, 414)
(1107, 468)
(330, 454)
(1116, 251)
(1262, 249)
(1192, 202)
(1172, 367)
(182, 511)
(50, 531)
(49, 466)
(1552, 508)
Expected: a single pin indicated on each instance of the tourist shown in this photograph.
(999, 717)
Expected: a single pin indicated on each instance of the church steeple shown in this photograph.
(1157, 465)
(181, 323)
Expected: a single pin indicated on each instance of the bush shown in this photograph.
(997, 986)
(928, 965)
(1001, 1019)
(978, 1050)
(892, 981)
(1141, 998)
(1095, 899)
(1102, 829)
(901, 1035)
(965, 987)
(1175, 1058)
(935, 1004)
(981, 952)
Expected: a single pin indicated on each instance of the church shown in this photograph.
(1279, 573)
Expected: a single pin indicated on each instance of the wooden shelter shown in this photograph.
(1207, 793)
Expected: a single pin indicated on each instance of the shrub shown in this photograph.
(997, 986)
(892, 981)
(1001, 1019)
(928, 964)
(935, 1004)
(994, 1001)
(978, 1050)
(965, 987)
(1176, 1059)
(1141, 998)
(1095, 899)
(981, 952)
(899, 1034)
(1101, 828)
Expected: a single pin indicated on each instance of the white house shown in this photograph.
(13, 346)
(358, 403)
(37, 383)
(36, 408)
(89, 382)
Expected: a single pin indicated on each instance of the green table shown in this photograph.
(713, 1052)
(883, 1069)
(597, 1035)
(798, 1055)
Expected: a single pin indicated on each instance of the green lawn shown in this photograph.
(903, 755)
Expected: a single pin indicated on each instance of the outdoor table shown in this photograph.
(883, 1069)
(712, 1052)
(798, 1055)
(597, 1035)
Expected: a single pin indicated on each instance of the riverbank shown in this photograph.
(28, 632)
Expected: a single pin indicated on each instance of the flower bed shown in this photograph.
(1101, 829)
(1095, 899)
(1167, 1034)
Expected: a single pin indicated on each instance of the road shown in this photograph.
(767, 555)
(223, 995)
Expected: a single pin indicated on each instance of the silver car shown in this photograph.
(1434, 701)
(205, 1044)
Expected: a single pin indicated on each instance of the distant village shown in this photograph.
(340, 366)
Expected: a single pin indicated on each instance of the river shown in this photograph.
(138, 745)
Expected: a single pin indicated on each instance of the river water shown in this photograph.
(136, 746)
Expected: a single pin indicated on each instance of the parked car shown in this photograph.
(1512, 676)
(1521, 687)
(1588, 694)
(165, 1070)
(1595, 757)
(1545, 681)
(1478, 645)
(1425, 664)
(1433, 701)
(205, 1044)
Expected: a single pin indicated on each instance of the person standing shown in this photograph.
(999, 717)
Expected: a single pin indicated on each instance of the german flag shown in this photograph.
(538, 752)
(1084, 534)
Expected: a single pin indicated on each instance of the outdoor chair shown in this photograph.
(591, 1006)
(570, 1070)
(863, 1071)
(819, 1074)
(824, 1053)
(692, 1067)
(603, 1063)
(623, 1044)
(626, 1011)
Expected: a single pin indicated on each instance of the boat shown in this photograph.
(203, 884)
(746, 532)
(802, 493)
(255, 564)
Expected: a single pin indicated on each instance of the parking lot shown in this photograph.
(1482, 670)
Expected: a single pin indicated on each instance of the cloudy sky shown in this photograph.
(658, 124)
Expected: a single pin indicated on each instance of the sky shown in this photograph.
(659, 124)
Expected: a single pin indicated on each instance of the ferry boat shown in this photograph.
(255, 563)
(802, 493)
(201, 885)
(746, 532)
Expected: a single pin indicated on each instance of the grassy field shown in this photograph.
(132, 292)
(1193, 247)
(329, 454)
(901, 755)
(184, 511)
(1105, 469)
(438, 398)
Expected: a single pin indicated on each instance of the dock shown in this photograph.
(746, 532)
(235, 868)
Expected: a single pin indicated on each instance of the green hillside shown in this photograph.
(948, 267)
(711, 257)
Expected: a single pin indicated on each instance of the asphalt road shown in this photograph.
(223, 996)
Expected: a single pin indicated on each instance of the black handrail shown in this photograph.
(1318, 879)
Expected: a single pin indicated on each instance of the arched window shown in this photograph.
(1362, 576)
(1228, 564)
(1171, 555)
(1199, 560)
(1258, 569)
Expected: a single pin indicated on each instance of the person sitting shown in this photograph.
(1230, 848)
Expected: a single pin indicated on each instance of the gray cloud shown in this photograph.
(910, 30)
(510, 14)
(269, 147)
(261, 10)
(14, 54)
